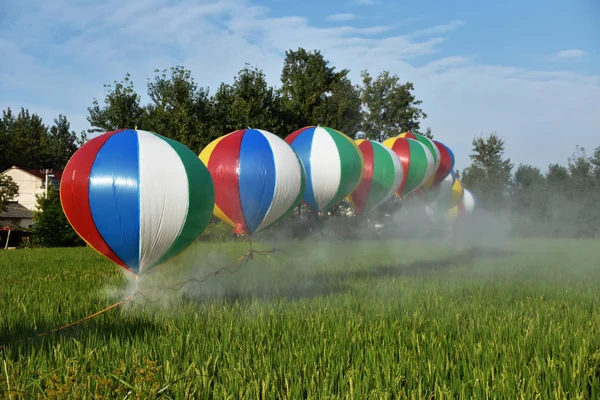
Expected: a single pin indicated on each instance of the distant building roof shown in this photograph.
(37, 172)
(15, 210)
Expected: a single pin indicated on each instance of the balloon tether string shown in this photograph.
(137, 292)
(243, 260)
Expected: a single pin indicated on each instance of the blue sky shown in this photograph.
(528, 70)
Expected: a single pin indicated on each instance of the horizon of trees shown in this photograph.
(312, 92)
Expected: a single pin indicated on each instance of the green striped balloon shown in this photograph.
(435, 152)
(382, 175)
(417, 163)
(333, 165)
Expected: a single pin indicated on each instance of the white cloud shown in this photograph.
(570, 54)
(537, 112)
(341, 17)
(439, 29)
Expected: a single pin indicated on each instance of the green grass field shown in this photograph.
(344, 320)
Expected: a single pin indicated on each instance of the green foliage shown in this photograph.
(51, 227)
(247, 103)
(218, 231)
(315, 93)
(121, 109)
(489, 174)
(27, 143)
(390, 107)
(352, 320)
(8, 191)
(179, 109)
(427, 133)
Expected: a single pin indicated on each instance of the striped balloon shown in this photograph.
(465, 207)
(382, 175)
(417, 163)
(446, 167)
(136, 197)
(333, 164)
(450, 192)
(435, 152)
(446, 163)
(258, 178)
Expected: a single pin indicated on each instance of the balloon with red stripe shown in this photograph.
(435, 152)
(258, 177)
(136, 197)
(381, 178)
(417, 163)
(444, 171)
(446, 163)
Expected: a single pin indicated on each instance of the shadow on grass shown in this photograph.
(421, 267)
(21, 336)
(297, 289)
(306, 286)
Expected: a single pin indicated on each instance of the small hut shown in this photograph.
(13, 225)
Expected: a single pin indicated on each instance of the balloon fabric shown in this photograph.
(417, 163)
(465, 207)
(136, 197)
(446, 163)
(258, 178)
(381, 177)
(333, 164)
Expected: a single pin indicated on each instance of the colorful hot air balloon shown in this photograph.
(435, 152)
(333, 164)
(450, 192)
(465, 207)
(136, 197)
(417, 163)
(382, 175)
(258, 178)
(446, 163)
(431, 192)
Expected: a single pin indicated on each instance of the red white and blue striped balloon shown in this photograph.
(258, 178)
(137, 197)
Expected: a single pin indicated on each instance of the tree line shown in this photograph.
(559, 202)
(311, 92)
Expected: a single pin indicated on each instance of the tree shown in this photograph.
(248, 102)
(62, 142)
(180, 110)
(121, 109)
(25, 140)
(529, 198)
(427, 133)
(8, 191)
(51, 226)
(28, 143)
(583, 194)
(528, 184)
(389, 107)
(342, 108)
(314, 93)
(489, 173)
(560, 213)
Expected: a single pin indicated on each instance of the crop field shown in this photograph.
(327, 320)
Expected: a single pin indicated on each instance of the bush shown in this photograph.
(51, 227)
